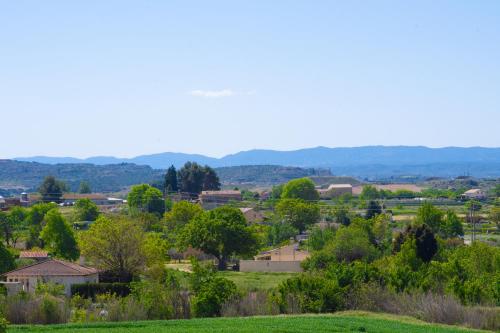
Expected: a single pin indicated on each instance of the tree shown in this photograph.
(11, 223)
(352, 243)
(181, 213)
(211, 180)
(51, 189)
(298, 213)
(86, 210)
(171, 184)
(452, 225)
(425, 242)
(34, 221)
(147, 199)
(301, 188)
(341, 215)
(221, 232)
(373, 209)
(58, 236)
(116, 246)
(7, 262)
(84, 188)
(369, 192)
(494, 216)
(193, 178)
(280, 232)
(431, 216)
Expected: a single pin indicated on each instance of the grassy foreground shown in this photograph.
(340, 322)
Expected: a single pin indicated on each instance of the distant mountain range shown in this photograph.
(369, 161)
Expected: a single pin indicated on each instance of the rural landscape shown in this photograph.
(249, 166)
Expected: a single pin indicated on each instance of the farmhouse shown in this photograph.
(212, 199)
(474, 193)
(51, 270)
(284, 259)
(335, 190)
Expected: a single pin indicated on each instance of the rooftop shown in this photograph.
(53, 267)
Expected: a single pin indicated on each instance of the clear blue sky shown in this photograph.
(123, 78)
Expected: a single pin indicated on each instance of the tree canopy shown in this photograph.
(298, 213)
(115, 245)
(147, 199)
(51, 189)
(86, 210)
(221, 232)
(194, 178)
(171, 183)
(58, 236)
(301, 188)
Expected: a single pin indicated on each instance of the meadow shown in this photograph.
(339, 322)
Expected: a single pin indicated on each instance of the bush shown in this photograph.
(26, 308)
(3, 325)
(209, 299)
(91, 290)
(311, 293)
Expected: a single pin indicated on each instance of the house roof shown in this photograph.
(224, 192)
(53, 267)
(340, 186)
(246, 209)
(473, 191)
(33, 254)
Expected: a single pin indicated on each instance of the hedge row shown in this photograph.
(90, 290)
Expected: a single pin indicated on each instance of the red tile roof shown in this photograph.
(53, 267)
(34, 254)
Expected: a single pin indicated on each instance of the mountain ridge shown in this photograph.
(307, 157)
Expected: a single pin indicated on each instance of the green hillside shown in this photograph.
(341, 322)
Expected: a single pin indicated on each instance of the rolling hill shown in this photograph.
(367, 162)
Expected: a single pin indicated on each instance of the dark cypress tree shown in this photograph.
(373, 209)
(171, 184)
(211, 180)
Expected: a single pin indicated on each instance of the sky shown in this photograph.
(126, 78)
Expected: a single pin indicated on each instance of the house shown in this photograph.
(252, 215)
(35, 255)
(335, 190)
(284, 259)
(474, 193)
(212, 199)
(51, 270)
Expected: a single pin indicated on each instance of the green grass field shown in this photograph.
(341, 322)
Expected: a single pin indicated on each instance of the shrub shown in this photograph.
(313, 293)
(90, 290)
(209, 299)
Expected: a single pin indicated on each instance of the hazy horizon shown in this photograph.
(126, 78)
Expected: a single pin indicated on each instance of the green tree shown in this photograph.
(352, 243)
(12, 223)
(494, 216)
(84, 188)
(171, 184)
(51, 189)
(115, 245)
(373, 209)
(58, 236)
(194, 178)
(369, 192)
(7, 262)
(211, 291)
(279, 232)
(452, 225)
(298, 213)
(86, 210)
(145, 198)
(301, 188)
(341, 215)
(222, 232)
(431, 216)
(181, 213)
(210, 180)
(425, 242)
(34, 220)
(277, 191)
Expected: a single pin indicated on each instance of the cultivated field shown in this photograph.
(341, 322)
